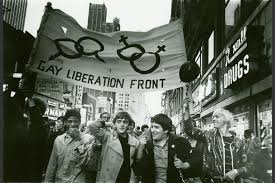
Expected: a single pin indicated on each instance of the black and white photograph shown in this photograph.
(137, 91)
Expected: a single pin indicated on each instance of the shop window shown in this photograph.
(211, 47)
(264, 114)
(240, 124)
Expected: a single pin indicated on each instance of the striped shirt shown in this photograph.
(228, 154)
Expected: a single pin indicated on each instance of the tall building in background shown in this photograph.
(96, 101)
(97, 16)
(135, 105)
(97, 19)
(15, 13)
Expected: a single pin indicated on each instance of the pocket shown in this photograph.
(60, 155)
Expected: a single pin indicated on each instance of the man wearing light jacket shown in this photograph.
(118, 149)
(71, 152)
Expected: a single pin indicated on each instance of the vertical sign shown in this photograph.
(78, 98)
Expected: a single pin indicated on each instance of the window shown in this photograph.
(232, 15)
(211, 47)
(236, 12)
(198, 60)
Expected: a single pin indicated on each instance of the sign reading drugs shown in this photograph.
(243, 55)
(117, 61)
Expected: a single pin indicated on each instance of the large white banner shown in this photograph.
(119, 61)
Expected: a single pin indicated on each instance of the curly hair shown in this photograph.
(123, 115)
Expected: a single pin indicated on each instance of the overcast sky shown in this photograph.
(134, 15)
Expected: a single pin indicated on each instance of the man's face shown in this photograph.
(121, 125)
(105, 117)
(72, 124)
(157, 132)
(58, 124)
(218, 120)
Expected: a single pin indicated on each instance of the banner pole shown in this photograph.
(29, 78)
(44, 19)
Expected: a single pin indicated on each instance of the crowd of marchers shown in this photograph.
(116, 151)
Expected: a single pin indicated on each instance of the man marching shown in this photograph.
(118, 149)
(165, 157)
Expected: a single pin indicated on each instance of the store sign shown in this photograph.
(241, 55)
(62, 106)
(78, 97)
(51, 103)
(54, 112)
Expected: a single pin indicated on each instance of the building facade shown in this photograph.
(97, 16)
(96, 102)
(97, 19)
(231, 42)
(15, 13)
(135, 105)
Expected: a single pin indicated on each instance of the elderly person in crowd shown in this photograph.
(118, 149)
(70, 152)
(223, 157)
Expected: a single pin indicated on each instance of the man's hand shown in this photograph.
(231, 174)
(180, 165)
(109, 124)
(142, 140)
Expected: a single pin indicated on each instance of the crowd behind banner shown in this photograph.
(116, 150)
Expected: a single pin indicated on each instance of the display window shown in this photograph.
(240, 123)
(241, 119)
(264, 118)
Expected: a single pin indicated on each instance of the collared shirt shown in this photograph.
(161, 162)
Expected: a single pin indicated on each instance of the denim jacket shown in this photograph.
(68, 159)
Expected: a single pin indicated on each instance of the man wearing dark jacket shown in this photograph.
(164, 157)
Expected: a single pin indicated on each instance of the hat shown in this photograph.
(163, 120)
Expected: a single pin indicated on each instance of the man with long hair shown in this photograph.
(118, 149)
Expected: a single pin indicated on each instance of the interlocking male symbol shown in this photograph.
(78, 47)
(136, 56)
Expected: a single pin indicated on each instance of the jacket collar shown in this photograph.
(116, 145)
